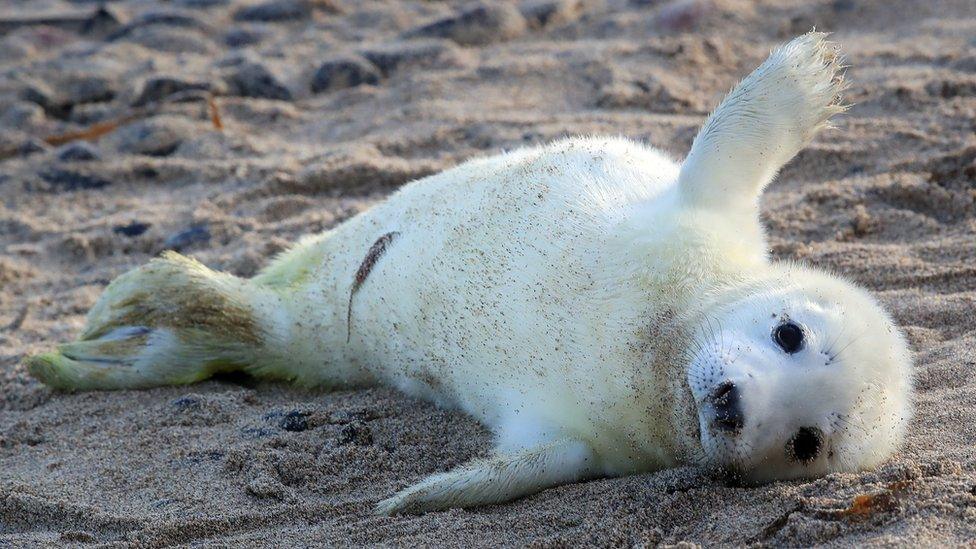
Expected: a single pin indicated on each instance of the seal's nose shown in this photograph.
(805, 444)
(727, 407)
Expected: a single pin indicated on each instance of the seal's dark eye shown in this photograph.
(789, 337)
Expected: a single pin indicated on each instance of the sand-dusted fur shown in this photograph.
(168, 322)
(602, 309)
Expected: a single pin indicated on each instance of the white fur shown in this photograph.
(583, 300)
(559, 295)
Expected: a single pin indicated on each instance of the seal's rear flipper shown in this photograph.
(762, 123)
(172, 321)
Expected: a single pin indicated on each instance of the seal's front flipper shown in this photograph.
(497, 479)
(762, 123)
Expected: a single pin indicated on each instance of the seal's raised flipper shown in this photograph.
(762, 123)
(497, 479)
(172, 321)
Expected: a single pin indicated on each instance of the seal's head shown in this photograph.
(797, 376)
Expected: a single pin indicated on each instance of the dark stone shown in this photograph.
(948, 89)
(186, 238)
(294, 421)
(254, 80)
(38, 93)
(160, 87)
(31, 146)
(426, 53)
(342, 73)
(134, 228)
(57, 99)
(159, 136)
(77, 152)
(478, 25)
(275, 10)
(162, 18)
(240, 37)
(67, 180)
(146, 171)
(88, 89)
(542, 13)
(186, 402)
(103, 21)
(357, 433)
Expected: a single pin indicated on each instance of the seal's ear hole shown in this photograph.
(789, 336)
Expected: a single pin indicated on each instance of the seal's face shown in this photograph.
(803, 376)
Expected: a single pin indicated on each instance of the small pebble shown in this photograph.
(542, 13)
(275, 10)
(682, 15)
(185, 402)
(424, 53)
(254, 80)
(186, 238)
(158, 136)
(88, 88)
(38, 93)
(161, 18)
(245, 36)
(102, 22)
(355, 433)
(134, 228)
(482, 24)
(294, 421)
(158, 88)
(67, 180)
(81, 151)
(266, 487)
(31, 146)
(58, 98)
(342, 73)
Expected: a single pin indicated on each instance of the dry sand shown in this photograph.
(887, 199)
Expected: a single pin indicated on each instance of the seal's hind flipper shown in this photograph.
(172, 321)
(762, 123)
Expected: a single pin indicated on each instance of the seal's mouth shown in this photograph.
(730, 475)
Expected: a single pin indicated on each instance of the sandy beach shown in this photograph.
(227, 129)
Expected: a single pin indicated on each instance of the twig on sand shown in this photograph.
(91, 132)
(101, 129)
(214, 112)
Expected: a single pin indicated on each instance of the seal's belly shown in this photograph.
(484, 295)
(468, 304)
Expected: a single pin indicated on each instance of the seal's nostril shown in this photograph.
(728, 410)
(723, 390)
(805, 444)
